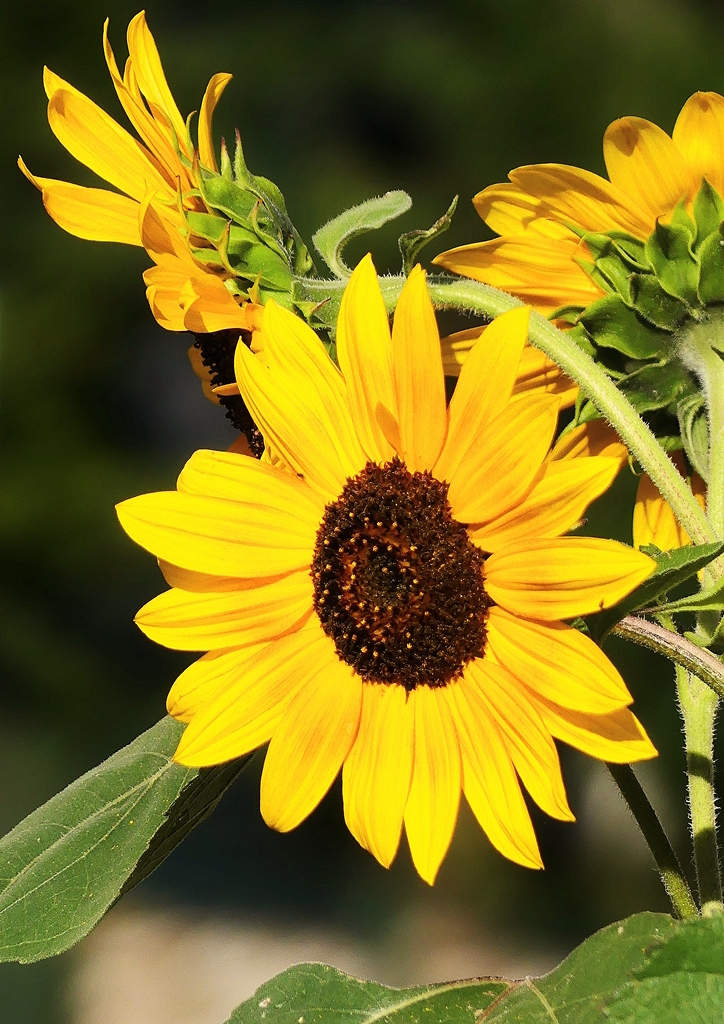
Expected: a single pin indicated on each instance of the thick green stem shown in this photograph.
(698, 708)
(657, 841)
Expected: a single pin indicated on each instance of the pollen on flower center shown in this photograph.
(398, 585)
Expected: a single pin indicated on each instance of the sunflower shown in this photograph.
(384, 592)
(151, 177)
(654, 521)
(541, 214)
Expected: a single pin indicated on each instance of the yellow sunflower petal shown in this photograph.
(540, 271)
(510, 211)
(377, 773)
(536, 372)
(205, 583)
(92, 213)
(484, 387)
(212, 96)
(699, 137)
(529, 743)
(502, 463)
(618, 737)
(644, 163)
(489, 781)
(219, 537)
(560, 578)
(236, 701)
(558, 662)
(653, 520)
(419, 378)
(432, 805)
(149, 74)
(311, 742)
(303, 437)
(364, 349)
(593, 438)
(581, 198)
(97, 141)
(211, 621)
(555, 504)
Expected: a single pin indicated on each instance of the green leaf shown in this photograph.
(64, 865)
(711, 268)
(682, 981)
(654, 305)
(672, 568)
(332, 237)
(413, 242)
(670, 255)
(709, 600)
(612, 324)
(573, 993)
(657, 385)
(708, 211)
(694, 428)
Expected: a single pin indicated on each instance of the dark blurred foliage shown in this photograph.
(336, 101)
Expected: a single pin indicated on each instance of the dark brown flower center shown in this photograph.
(217, 354)
(398, 585)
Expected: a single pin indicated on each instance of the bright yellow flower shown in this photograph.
(150, 177)
(384, 592)
(654, 521)
(542, 211)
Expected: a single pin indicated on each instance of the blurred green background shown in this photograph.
(336, 101)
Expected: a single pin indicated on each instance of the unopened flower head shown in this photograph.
(384, 593)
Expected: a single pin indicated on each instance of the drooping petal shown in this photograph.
(419, 379)
(364, 349)
(536, 372)
(236, 701)
(558, 662)
(212, 535)
(593, 438)
(489, 781)
(212, 621)
(560, 578)
(510, 211)
(501, 465)
(583, 199)
(312, 741)
(208, 306)
(377, 773)
(484, 387)
(97, 141)
(654, 521)
(699, 137)
(644, 163)
(149, 74)
(555, 504)
(540, 271)
(92, 213)
(212, 96)
(527, 740)
(432, 805)
(618, 737)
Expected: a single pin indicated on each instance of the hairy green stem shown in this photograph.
(657, 841)
(698, 708)
(697, 660)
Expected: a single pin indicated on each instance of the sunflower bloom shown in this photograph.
(384, 592)
(542, 212)
(654, 521)
(150, 177)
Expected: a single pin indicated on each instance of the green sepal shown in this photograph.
(654, 304)
(568, 314)
(680, 219)
(205, 225)
(656, 385)
(691, 413)
(225, 168)
(261, 187)
(612, 324)
(256, 261)
(412, 242)
(227, 197)
(711, 268)
(708, 211)
(669, 252)
(709, 600)
(631, 249)
(672, 568)
(332, 237)
(582, 338)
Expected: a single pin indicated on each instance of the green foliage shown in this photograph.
(332, 237)
(413, 242)
(67, 862)
(615, 325)
(673, 568)
(645, 970)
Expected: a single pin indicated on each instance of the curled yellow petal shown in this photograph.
(211, 97)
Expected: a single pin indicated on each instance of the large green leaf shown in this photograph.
(332, 237)
(64, 865)
(574, 993)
